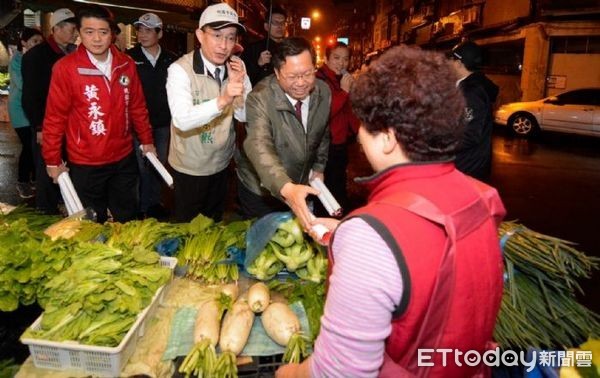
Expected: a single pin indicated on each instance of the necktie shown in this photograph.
(298, 107)
(218, 76)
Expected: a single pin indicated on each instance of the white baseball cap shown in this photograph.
(60, 15)
(219, 16)
(149, 20)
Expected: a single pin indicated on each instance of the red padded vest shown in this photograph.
(442, 227)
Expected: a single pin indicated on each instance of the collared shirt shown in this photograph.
(151, 58)
(210, 68)
(104, 67)
(305, 101)
(187, 115)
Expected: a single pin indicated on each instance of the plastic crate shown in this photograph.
(97, 360)
(261, 367)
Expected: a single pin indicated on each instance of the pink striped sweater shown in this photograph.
(364, 288)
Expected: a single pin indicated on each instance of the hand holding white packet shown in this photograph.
(329, 202)
(160, 168)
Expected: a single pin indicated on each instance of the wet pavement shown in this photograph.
(551, 184)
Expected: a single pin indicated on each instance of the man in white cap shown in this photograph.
(37, 69)
(201, 87)
(152, 62)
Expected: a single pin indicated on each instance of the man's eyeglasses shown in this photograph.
(230, 39)
(307, 76)
(279, 23)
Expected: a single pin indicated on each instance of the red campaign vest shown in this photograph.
(451, 267)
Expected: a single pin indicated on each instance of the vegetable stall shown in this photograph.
(205, 298)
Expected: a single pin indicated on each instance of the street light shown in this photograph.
(316, 15)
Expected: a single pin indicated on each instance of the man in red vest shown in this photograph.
(419, 268)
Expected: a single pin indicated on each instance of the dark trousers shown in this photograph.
(112, 186)
(335, 177)
(26, 171)
(200, 195)
(150, 180)
(253, 205)
(47, 193)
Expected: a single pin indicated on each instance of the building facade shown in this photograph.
(533, 48)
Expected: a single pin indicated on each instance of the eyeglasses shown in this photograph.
(307, 76)
(230, 39)
(278, 23)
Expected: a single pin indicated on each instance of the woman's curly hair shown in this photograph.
(413, 92)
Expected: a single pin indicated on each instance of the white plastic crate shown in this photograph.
(97, 360)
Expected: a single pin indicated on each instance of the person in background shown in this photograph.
(419, 266)
(28, 38)
(119, 39)
(342, 122)
(287, 135)
(474, 156)
(152, 62)
(206, 89)
(257, 55)
(37, 69)
(94, 105)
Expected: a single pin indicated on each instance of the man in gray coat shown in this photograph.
(287, 135)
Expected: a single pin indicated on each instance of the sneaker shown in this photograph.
(24, 190)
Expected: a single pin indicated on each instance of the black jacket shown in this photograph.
(154, 80)
(250, 57)
(474, 156)
(36, 69)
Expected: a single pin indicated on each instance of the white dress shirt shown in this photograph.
(151, 58)
(187, 116)
(305, 102)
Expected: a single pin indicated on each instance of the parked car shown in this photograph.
(576, 111)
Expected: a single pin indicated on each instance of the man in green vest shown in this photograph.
(206, 89)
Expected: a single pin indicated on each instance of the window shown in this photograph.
(580, 97)
(576, 45)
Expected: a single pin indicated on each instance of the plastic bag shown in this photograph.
(261, 232)
(168, 247)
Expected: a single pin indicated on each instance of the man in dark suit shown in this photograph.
(257, 56)
(152, 62)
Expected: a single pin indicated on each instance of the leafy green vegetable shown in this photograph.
(312, 296)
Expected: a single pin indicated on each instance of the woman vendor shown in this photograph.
(420, 265)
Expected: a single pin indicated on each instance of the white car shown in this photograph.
(576, 111)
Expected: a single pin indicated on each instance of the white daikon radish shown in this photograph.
(259, 297)
(235, 331)
(208, 322)
(280, 323)
(283, 326)
(236, 328)
(232, 290)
